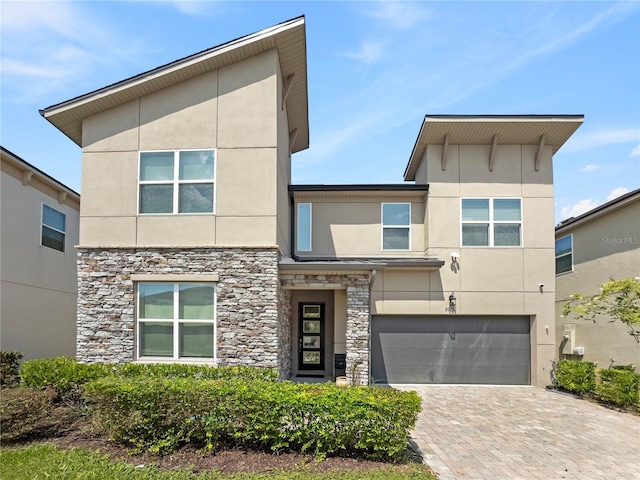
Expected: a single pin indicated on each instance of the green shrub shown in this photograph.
(163, 414)
(10, 367)
(28, 413)
(576, 376)
(181, 370)
(63, 374)
(618, 386)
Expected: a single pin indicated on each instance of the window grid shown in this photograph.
(490, 222)
(175, 321)
(176, 182)
(46, 241)
(562, 257)
(406, 226)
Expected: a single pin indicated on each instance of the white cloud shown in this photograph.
(370, 52)
(616, 192)
(578, 208)
(588, 141)
(590, 168)
(635, 152)
(400, 15)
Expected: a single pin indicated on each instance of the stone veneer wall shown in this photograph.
(285, 353)
(358, 294)
(246, 311)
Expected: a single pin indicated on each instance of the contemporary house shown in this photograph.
(38, 236)
(597, 246)
(196, 247)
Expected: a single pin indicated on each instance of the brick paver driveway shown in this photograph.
(486, 432)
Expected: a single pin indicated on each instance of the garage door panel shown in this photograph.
(460, 349)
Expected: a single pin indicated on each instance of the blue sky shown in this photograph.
(375, 69)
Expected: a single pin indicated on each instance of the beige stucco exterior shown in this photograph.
(234, 110)
(606, 245)
(39, 287)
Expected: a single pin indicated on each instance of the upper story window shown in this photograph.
(304, 227)
(176, 320)
(564, 254)
(491, 222)
(54, 228)
(177, 181)
(396, 226)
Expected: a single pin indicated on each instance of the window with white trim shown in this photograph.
(176, 320)
(54, 228)
(491, 222)
(180, 181)
(304, 227)
(396, 226)
(564, 254)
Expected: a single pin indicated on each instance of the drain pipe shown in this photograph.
(372, 280)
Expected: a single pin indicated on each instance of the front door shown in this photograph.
(311, 336)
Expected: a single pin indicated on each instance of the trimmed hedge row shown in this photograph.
(65, 374)
(618, 385)
(162, 415)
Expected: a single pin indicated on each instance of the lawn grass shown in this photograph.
(39, 462)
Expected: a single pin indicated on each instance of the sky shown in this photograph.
(375, 69)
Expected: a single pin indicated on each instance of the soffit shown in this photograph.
(480, 130)
(289, 38)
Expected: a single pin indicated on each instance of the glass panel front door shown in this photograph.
(311, 337)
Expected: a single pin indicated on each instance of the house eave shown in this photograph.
(356, 265)
(289, 38)
(485, 129)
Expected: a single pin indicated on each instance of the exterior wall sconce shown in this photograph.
(454, 257)
(452, 303)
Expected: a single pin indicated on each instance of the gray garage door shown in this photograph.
(451, 349)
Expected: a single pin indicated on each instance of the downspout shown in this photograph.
(372, 280)
(292, 229)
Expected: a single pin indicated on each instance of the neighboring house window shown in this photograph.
(304, 227)
(54, 228)
(177, 181)
(564, 254)
(176, 320)
(396, 226)
(491, 222)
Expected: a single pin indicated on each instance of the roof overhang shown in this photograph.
(289, 38)
(30, 171)
(363, 190)
(604, 209)
(552, 130)
(318, 266)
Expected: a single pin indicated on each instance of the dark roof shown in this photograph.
(605, 206)
(371, 187)
(36, 169)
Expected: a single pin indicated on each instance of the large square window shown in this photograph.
(176, 320)
(53, 228)
(491, 222)
(396, 226)
(174, 182)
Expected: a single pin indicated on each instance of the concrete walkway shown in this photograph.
(487, 432)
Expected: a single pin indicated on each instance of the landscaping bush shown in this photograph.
(63, 374)
(10, 367)
(180, 370)
(29, 413)
(162, 414)
(576, 376)
(618, 386)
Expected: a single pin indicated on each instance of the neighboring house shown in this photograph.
(597, 246)
(38, 236)
(195, 246)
